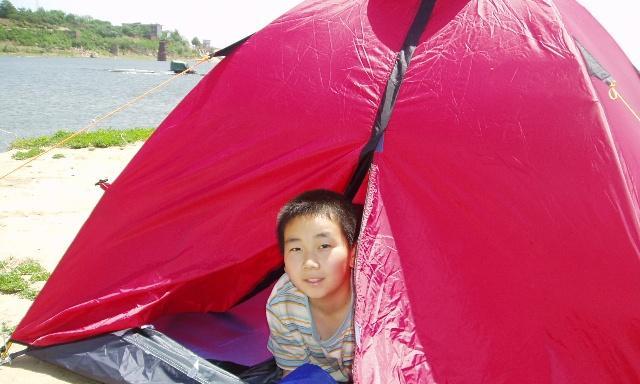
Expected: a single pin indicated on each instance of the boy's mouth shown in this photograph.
(314, 281)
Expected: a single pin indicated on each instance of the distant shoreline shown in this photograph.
(56, 33)
(31, 52)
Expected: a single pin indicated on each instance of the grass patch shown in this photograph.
(7, 329)
(33, 269)
(16, 278)
(28, 293)
(22, 155)
(11, 282)
(101, 138)
(57, 156)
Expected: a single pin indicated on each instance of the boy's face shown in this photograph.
(317, 257)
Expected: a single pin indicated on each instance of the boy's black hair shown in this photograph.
(320, 202)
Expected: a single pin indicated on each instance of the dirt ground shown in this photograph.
(42, 207)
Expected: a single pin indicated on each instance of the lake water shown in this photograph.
(42, 95)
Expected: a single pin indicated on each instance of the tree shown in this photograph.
(7, 10)
(175, 37)
(55, 17)
(70, 18)
(196, 42)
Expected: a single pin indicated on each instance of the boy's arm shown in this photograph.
(285, 344)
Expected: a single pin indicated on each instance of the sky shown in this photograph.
(226, 21)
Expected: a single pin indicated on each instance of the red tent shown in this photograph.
(500, 241)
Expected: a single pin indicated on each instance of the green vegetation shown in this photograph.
(25, 31)
(101, 138)
(22, 155)
(7, 329)
(17, 278)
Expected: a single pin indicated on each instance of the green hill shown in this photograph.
(56, 32)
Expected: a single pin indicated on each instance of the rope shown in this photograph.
(615, 95)
(99, 119)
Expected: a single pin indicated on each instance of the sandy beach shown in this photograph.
(42, 207)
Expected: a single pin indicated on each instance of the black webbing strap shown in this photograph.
(389, 98)
(228, 49)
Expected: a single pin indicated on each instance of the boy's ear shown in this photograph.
(352, 256)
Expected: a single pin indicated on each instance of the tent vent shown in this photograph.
(593, 66)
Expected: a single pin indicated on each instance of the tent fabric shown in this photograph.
(512, 252)
(239, 335)
(500, 240)
(134, 356)
(207, 185)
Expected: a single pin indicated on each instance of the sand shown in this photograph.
(42, 207)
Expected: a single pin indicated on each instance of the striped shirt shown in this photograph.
(294, 340)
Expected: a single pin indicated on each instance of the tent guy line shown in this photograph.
(614, 94)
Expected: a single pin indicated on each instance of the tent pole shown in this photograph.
(5, 352)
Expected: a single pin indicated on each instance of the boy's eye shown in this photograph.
(295, 249)
(323, 246)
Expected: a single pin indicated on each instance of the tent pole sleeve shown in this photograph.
(389, 97)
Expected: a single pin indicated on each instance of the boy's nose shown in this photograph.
(310, 263)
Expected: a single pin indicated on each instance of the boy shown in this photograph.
(311, 306)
